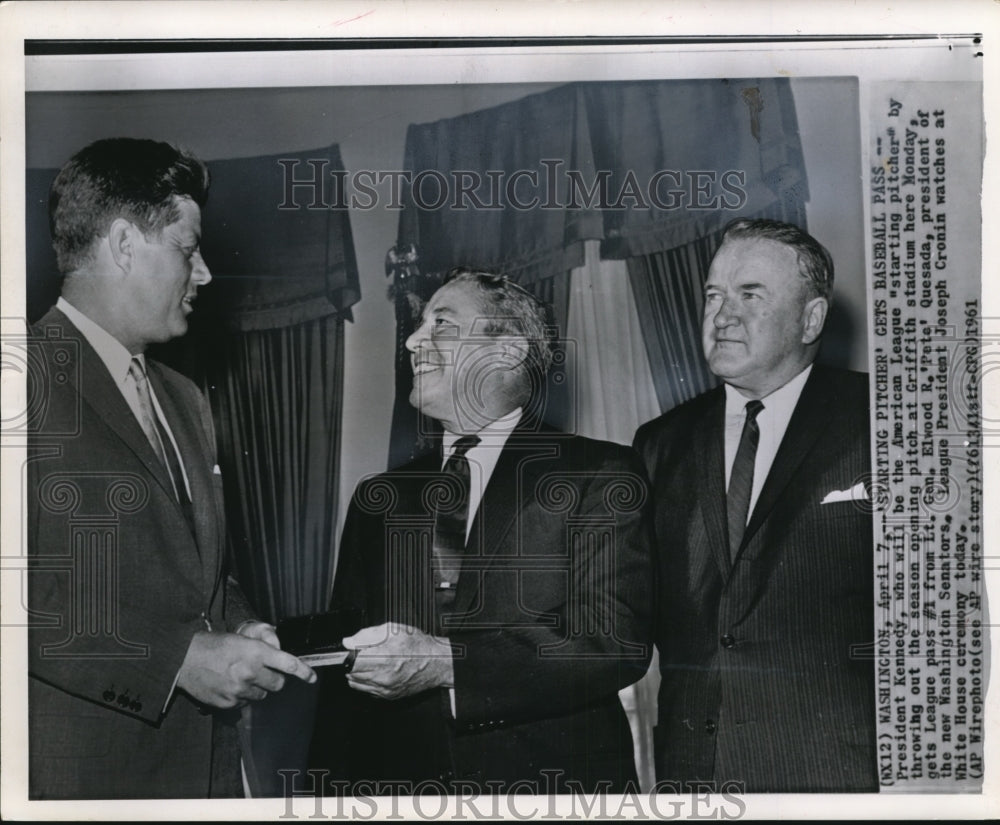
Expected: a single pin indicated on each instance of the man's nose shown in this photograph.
(416, 338)
(199, 272)
(726, 315)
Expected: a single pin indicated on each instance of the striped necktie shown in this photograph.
(450, 521)
(156, 432)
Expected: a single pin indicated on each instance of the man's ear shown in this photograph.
(813, 318)
(514, 350)
(121, 242)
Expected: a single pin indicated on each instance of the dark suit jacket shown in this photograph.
(552, 617)
(118, 583)
(767, 669)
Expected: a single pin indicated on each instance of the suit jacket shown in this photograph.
(118, 582)
(552, 616)
(766, 663)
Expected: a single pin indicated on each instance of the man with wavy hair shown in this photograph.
(506, 577)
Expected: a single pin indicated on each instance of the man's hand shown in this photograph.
(396, 660)
(262, 631)
(225, 669)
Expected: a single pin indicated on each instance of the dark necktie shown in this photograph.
(450, 520)
(159, 439)
(741, 479)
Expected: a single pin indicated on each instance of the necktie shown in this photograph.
(156, 433)
(450, 519)
(741, 478)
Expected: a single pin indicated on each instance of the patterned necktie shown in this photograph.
(450, 520)
(741, 479)
(155, 432)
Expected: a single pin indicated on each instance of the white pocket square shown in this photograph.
(216, 471)
(856, 493)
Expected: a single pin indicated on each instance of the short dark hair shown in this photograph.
(511, 310)
(119, 178)
(815, 263)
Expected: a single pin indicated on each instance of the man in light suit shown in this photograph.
(505, 610)
(764, 537)
(133, 651)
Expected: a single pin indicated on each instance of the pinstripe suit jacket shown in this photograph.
(766, 663)
(118, 582)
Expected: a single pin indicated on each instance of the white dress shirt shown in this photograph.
(772, 421)
(482, 458)
(482, 461)
(118, 360)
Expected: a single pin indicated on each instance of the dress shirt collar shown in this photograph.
(779, 403)
(494, 434)
(110, 350)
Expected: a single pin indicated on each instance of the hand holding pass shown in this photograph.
(225, 670)
(397, 660)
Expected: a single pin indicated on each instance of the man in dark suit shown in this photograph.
(506, 578)
(764, 537)
(133, 652)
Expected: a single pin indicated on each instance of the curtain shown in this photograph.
(687, 156)
(668, 290)
(277, 401)
(610, 380)
(276, 240)
(499, 172)
(266, 342)
(269, 344)
(607, 366)
(641, 166)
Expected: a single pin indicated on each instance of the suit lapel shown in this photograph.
(511, 488)
(98, 389)
(711, 479)
(807, 424)
(193, 451)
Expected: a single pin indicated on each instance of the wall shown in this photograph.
(369, 124)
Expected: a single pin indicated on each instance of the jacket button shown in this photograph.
(710, 726)
(727, 641)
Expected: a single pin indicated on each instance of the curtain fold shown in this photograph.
(687, 156)
(607, 366)
(277, 241)
(277, 396)
(611, 384)
(499, 172)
